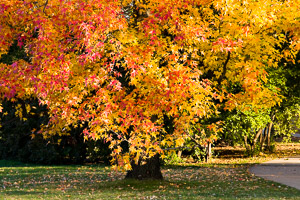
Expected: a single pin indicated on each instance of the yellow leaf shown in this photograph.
(179, 141)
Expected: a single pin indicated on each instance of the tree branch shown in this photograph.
(175, 148)
(193, 139)
(45, 5)
(224, 69)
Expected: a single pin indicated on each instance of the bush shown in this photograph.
(19, 142)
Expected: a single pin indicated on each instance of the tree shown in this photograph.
(123, 66)
(247, 128)
(286, 119)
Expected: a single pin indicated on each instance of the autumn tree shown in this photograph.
(123, 67)
(254, 126)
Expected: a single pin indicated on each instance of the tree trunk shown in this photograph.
(246, 143)
(259, 132)
(208, 152)
(261, 138)
(252, 143)
(179, 154)
(269, 136)
(264, 137)
(150, 170)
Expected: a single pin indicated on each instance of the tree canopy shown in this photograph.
(125, 66)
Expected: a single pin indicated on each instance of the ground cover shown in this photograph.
(222, 178)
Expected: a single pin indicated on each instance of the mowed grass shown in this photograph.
(229, 179)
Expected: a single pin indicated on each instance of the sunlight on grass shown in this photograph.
(222, 178)
(98, 182)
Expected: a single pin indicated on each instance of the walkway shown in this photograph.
(283, 170)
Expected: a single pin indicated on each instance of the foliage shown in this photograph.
(242, 128)
(121, 66)
(172, 158)
(288, 121)
(287, 78)
(21, 119)
(16, 133)
(19, 139)
(280, 120)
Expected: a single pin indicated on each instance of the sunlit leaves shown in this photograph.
(121, 67)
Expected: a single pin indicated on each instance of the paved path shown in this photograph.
(296, 135)
(283, 170)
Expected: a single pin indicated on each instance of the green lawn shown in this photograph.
(214, 181)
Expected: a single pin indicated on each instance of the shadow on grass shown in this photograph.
(11, 163)
(21, 193)
(214, 181)
(207, 165)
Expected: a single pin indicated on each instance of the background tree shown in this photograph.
(20, 122)
(286, 119)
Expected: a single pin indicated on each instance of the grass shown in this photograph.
(220, 179)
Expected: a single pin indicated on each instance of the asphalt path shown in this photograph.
(296, 135)
(284, 170)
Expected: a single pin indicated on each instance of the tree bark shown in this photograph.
(179, 154)
(269, 135)
(269, 132)
(150, 170)
(259, 132)
(208, 152)
(264, 137)
(246, 143)
(261, 138)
